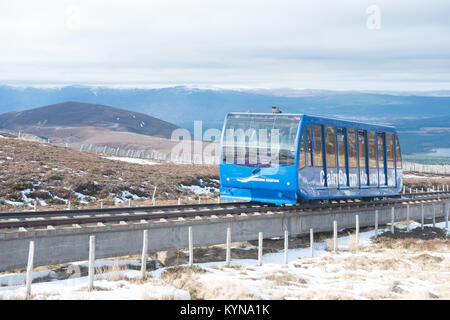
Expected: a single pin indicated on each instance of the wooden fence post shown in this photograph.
(228, 253)
(191, 248)
(91, 270)
(407, 218)
(286, 244)
(29, 278)
(260, 248)
(357, 231)
(376, 223)
(335, 246)
(446, 215)
(434, 215)
(144, 254)
(392, 219)
(422, 215)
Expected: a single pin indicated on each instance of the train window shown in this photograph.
(351, 137)
(372, 149)
(341, 147)
(362, 149)
(390, 150)
(398, 152)
(318, 159)
(260, 140)
(381, 150)
(331, 146)
(309, 145)
(302, 159)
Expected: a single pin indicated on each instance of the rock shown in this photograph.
(433, 295)
(172, 258)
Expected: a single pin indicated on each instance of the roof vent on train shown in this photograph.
(276, 110)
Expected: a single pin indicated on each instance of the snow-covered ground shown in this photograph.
(348, 274)
(132, 160)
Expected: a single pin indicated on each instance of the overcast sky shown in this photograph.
(373, 45)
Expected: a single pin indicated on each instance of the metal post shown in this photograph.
(199, 200)
(335, 236)
(129, 203)
(29, 278)
(144, 254)
(179, 201)
(286, 244)
(376, 223)
(101, 204)
(311, 241)
(68, 205)
(154, 202)
(407, 218)
(228, 256)
(357, 231)
(260, 248)
(35, 205)
(191, 248)
(392, 219)
(91, 262)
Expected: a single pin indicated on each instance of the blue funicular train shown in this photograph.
(290, 158)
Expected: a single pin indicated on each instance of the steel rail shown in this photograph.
(214, 209)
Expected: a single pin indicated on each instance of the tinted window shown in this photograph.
(260, 140)
(352, 159)
(381, 150)
(331, 147)
(341, 147)
(362, 150)
(318, 159)
(302, 154)
(390, 150)
(398, 152)
(372, 150)
(309, 146)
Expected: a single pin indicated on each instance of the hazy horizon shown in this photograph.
(323, 45)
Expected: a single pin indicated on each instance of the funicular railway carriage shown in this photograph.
(289, 158)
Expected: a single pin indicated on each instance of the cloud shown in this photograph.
(313, 44)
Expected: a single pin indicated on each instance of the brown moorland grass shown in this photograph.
(51, 173)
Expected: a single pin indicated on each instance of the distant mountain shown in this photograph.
(76, 114)
(181, 106)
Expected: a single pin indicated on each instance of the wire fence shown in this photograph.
(192, 158)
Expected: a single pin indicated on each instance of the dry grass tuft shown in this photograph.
(111, 273)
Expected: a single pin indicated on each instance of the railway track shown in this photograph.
(33, 219)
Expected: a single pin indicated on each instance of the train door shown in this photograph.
(362, 152)
(330, 149)
(390, 160)
(318, 156)
(398, 161)
(381, 159)
(342, 157)
(352, 158)
(373, 167)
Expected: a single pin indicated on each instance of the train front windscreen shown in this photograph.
(260, 140)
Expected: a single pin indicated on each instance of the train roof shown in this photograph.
(335, 121)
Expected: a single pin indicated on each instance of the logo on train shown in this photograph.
(257, 177)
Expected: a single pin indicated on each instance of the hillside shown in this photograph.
(77, 114)
(54, 175)
(181, 106)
